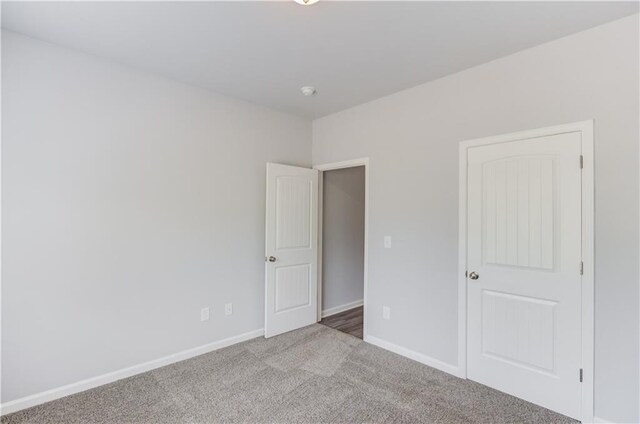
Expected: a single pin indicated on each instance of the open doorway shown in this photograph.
(342, 249)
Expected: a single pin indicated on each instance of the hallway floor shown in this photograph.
(350, 322)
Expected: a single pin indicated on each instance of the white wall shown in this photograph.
(129, 202)
(343, 236)
(412, 139)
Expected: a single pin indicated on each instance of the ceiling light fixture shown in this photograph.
(306, 2)
(307, 90)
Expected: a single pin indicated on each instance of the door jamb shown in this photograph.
(330, 167)
(588, 306)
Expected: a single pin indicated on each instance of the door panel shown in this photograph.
(292, 246)
(518, 329)
(518, 206)
(293, 212)
(292, 287)
(524, 242)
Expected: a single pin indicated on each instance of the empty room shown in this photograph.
(319, 211)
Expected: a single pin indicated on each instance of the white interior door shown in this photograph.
(291, 255)
(524, 262)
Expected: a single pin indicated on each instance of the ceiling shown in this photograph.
(263, 52)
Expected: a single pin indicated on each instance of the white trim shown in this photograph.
(416, 356)
(588, 277)
(340, 165)
(462, 262)
(90, 383)
(319, 311)
(342, 308)
(598, 420)
(588, 305)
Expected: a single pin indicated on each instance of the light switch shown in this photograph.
(387, 242)
(386, 312)
(204, 314)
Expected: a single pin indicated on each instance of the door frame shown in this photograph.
(330, 167)
(587, 301)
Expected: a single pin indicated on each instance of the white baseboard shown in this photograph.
(90, 383)
(342, 308)
(597, 420)
(419, 357)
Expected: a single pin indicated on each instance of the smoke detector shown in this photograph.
(307, 90)
(306, 2)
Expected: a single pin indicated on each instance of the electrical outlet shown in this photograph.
(204, 314)
(228, 309)
(387, 242)
(386, 312)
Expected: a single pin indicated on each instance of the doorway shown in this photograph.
(342, 247)
(293, 248)
(526, 202)
(343, 200)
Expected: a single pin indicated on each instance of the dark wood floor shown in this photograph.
(349, 322)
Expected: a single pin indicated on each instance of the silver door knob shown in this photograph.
(474, 275)
(271, 259)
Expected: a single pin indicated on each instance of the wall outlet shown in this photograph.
(386, 312)
(387, 242)
(228, 309)
(204, 314)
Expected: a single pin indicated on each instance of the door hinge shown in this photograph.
(581, 375)
(466, 274)
(581, 268)
(581, 161)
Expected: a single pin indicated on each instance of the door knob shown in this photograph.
(474, 275)
(271, 259)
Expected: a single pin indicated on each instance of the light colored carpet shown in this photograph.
(312, 375)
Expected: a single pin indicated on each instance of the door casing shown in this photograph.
(587, 301)
(329, 167)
